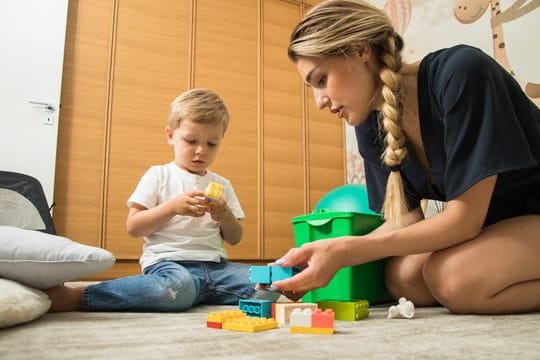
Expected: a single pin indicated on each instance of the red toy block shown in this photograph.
(322, 319)
(213, 325)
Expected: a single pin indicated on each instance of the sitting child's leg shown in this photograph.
(227, 283)
(164, 287)
(64, 298)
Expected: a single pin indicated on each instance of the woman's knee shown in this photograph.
(449, 285)
(404, 276)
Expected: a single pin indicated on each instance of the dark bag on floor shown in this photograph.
(23, 203)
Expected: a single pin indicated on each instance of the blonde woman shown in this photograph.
(454, 127)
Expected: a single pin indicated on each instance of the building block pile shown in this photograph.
(254, 315)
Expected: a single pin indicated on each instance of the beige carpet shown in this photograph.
(432, 334)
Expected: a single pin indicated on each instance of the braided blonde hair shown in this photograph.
(340, 27)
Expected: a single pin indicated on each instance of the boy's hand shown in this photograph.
(219, 210)
(190, 204)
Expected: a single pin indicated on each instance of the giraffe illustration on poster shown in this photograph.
(469, 11)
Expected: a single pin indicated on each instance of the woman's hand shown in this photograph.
(319, 261)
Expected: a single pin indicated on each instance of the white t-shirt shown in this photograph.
(182, 237)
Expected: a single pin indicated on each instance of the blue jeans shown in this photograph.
(172, 286)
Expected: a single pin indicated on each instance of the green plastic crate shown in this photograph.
(364, 281)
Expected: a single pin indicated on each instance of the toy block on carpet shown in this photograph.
(216, 319)
(283, 310)
(250, 324)
(308, 321)
(256, 307)
(347, 310)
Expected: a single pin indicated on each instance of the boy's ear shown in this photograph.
(169, 134)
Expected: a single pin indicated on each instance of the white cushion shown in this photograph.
(19, 303)
(41, 260)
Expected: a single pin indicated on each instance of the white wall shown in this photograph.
(33, 36)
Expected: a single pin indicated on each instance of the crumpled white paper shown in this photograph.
(404, 309)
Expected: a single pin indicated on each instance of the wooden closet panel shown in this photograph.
(81, 133)
(151, 68)
(226, 61)
(326, 151)
(283, 131)
(312, 2)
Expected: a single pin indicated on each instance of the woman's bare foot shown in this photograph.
(65, 298)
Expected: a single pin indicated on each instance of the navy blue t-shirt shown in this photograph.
(475, 122)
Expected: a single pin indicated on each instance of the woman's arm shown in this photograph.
(461, 220)
(412, 217)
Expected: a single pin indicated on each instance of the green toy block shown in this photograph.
(347, 310)
(364, 281)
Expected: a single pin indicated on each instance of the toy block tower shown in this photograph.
(309, 321)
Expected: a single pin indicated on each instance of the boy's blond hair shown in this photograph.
(200, 106)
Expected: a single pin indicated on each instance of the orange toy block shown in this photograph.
(322, 319)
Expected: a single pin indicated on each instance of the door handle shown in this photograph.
(48, 106)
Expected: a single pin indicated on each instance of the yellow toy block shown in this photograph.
(224, 315)
(250, 324)
(213, 191)
(311, 330)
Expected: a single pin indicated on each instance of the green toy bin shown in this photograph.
(364, 281)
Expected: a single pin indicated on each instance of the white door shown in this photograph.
(32, 52)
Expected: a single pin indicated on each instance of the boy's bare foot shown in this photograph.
(65, 298)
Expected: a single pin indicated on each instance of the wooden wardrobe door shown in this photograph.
(283, 141)
(82, 127)
(226, 60)
(151, 67)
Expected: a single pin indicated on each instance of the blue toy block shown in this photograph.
(256, 307)
(281, 273)
(269, 274)
(260, 275)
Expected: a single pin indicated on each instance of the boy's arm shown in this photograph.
(143, 222)
(231, 228)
